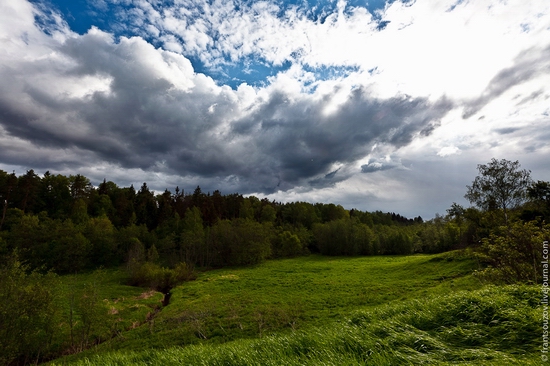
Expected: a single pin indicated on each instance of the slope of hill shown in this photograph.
(404, 309)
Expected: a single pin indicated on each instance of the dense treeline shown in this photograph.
(66, 224)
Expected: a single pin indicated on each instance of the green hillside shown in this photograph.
(334, 310)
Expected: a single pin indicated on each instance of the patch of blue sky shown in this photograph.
(330, 72)
(256, 72)
(320, 10)
(108, 15)
(80, 15)
(373, 6)
(250, 71)
(322, 73)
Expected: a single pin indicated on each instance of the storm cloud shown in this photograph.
(155, 113)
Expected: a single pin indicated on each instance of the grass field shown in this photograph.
(421, 309)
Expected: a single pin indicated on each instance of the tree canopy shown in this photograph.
(500, 185)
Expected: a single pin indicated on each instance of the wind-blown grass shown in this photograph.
(491, 326)
(287, 295)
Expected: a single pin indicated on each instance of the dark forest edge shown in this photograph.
(54, 225)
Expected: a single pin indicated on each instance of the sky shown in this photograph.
(374, 105)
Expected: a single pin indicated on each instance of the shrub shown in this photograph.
(159, 278)
(514, 253)
(27, 312)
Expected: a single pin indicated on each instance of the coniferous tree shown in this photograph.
(8, 183)
(28, 186)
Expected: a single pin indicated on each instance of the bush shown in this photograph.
(27, 312)
(159, 278)
(514, 253)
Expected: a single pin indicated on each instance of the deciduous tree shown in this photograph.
(501, 185)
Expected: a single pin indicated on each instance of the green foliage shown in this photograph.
(97, 306)
(101, 234)
(301, 214)
(239, 242)
(79, 214)
(8, 184)
(344, 237)
(246, 210)
(71, 226)
(288, 245)
(193, 238)
(331, 212)
(515, 253)
(538, 207)
(28, 313)
(153, 276)
(268, 214)
(501, 185)
(56, 195)
(393, 240)
(70, 248)
(146, 207)
(88, 317)
(153, 254)
(439, 235)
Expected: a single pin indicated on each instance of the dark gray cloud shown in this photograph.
(529, 64)
(156, 114)
(298, 141)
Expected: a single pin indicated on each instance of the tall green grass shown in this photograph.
(287, 295)
(490, 326)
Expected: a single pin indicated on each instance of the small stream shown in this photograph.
(166, 299)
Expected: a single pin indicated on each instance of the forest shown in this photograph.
(55, 225)
(67, 225)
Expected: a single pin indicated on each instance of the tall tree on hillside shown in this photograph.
(539, 195)
(197, 197)
(218, 204)
(191, 248)
(165, 207)
(55, 195)
(8, 183)
(123, 202)
(178, 202)
(233, 205)
(80, 187)
(501, 185)
(456, 212)
(107, 187)
(146, 207)
(27, 191)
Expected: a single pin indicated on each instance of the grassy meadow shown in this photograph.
(316, 310)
